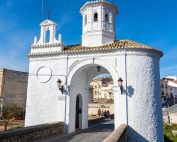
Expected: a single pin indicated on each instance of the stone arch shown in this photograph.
(81, 64)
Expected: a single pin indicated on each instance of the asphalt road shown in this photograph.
(96, 133)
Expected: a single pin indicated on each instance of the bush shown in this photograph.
(13, 112)
(10, 113)
(169, 137)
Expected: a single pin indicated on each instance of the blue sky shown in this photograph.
(152, 22)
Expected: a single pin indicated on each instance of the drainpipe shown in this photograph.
(126, 93)
(126, 87)
(66, 93)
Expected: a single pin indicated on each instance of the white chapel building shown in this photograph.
(59, 76)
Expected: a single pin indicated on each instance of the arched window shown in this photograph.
(106, 17)
(85, 19)
(95, 17)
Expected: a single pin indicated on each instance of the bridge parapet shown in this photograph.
(33, 133)
(119, 135)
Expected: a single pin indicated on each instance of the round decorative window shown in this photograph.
(44, 74)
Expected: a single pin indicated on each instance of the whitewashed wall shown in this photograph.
(45, 103)
(143, 108)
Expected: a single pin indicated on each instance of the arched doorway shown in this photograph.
(79, 83)
(78, 117)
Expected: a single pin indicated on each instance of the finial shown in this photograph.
(49, 14)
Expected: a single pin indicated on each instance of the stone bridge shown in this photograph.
(99, 130)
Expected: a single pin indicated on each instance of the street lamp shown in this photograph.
(120, 83)
(60, 86)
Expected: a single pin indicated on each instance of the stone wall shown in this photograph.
(93, 108)
(1, 80)
(13, 87)
(33, 133)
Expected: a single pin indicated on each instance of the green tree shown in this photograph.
(10, 113)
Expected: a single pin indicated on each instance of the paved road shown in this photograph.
(95, 133)
(172, 109)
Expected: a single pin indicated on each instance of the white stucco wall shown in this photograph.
(143, 103)
(45, 103)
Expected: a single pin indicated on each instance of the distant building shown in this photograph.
(101, 88)
(13, 87)
(172, 77)
(169, 90)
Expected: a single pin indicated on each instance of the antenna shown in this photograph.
(42, 9)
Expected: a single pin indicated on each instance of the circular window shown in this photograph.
(44, 74)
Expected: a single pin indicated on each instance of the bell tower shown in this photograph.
(47, 41)
(98, 23)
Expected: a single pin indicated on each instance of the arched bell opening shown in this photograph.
(47, 38)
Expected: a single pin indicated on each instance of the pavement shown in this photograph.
(172, 109)
(95, 133)
(172, 114)
(172, 117)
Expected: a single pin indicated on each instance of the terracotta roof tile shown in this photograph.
(118, 44)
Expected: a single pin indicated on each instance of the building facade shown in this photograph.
(59, 89)
(102, 89)
(169, 90)
(13, 87)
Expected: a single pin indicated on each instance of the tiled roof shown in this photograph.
(118, 44)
